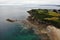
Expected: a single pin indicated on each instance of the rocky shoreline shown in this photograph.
(38, 29)
(43, 30)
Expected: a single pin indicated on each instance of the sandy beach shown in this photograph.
(54, 33)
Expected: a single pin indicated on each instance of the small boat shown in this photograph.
(10, 20)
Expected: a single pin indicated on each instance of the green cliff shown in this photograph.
(47, 16)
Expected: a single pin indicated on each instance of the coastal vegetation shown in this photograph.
(47, 16)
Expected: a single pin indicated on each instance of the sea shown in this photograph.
(15, 30)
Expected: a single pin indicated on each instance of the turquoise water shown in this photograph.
(15, 31)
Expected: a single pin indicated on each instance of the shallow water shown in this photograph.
(15, 31)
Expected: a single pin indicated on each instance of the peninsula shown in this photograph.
(42, 18)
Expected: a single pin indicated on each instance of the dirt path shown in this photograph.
(54, 33)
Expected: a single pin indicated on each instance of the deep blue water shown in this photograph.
(15, 31)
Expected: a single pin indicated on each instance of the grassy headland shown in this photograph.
(45, 16)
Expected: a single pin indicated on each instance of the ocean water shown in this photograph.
(15, 31)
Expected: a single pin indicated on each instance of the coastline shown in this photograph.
(43, 30)
(38, 29)
(50, 31)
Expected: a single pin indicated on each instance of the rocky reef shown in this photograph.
(11, 20)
